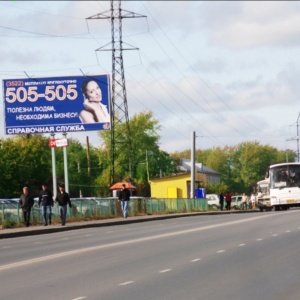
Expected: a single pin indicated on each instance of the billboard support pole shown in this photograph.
(54, 168)
(66, 166)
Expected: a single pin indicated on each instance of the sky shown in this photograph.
(227, 70)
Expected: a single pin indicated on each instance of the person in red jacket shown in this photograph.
(228, 200)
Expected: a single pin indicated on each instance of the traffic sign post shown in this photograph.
(54, 143)
(64, 142)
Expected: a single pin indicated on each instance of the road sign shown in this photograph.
(54, 143)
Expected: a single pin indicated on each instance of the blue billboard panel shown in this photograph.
(56, 104)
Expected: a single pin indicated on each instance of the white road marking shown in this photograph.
(241, 245)
(196, 259)
(88, 234)
(221, 251)
(164, 271)
(259, 240)
(288, 231)
(126, 283)
(275, 234)
(128, 242)
(79, 298)
(6, 247)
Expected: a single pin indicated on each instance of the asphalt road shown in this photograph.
(214, 257)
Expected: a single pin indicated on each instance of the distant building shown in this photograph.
(210, 176)
(179, 185)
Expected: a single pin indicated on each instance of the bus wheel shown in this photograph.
(277, 208)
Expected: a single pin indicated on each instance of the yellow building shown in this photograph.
(179, 185)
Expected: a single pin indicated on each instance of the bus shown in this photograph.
(284, 185)
(263, 195)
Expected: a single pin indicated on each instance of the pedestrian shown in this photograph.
(63, 200)
(221, 201)
(124, 197)
(253, 201)
(26, 202)
(228, 200)
(244, 201)
(46, 198)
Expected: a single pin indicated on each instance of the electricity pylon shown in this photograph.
(120, 142)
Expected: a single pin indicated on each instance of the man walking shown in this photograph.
(244, 201)
(26, 202)
(46, 198)
(63, 200)
(228, 200)
(124, 197)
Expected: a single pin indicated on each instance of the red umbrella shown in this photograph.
(119, 185)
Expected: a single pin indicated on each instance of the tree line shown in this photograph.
(26, 160)
(240, 166)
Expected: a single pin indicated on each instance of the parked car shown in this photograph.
(213, 201)
(236, 202)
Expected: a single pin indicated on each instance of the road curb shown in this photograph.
(38, 230)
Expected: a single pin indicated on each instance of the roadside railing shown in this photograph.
(101, 208)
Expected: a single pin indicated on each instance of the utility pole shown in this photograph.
(120, 141)
(298, 152)
(192, 193)
(297, 138)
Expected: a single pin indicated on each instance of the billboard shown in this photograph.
(56, 104)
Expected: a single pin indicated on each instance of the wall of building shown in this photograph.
(174, 186)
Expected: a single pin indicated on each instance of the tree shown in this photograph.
(27, 160)
(83, 168)
(24, 160)
(147, 159)
(218, 159)
(241, 166)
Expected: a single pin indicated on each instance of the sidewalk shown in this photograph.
(40, 229)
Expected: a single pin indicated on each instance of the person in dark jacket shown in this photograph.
(63, 199)
(124, 197)
(26, 203)
(221, 200)
(46, 198)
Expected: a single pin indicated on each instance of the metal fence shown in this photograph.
(88, 208)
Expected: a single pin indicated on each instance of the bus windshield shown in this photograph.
(285, 176)
(263, 187)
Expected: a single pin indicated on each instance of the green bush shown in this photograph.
(9, 223)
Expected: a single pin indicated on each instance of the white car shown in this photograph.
(213, 200)
(236, 202)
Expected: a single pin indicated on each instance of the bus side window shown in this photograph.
(296, 178)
